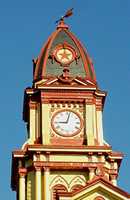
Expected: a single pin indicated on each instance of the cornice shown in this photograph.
(70, 149)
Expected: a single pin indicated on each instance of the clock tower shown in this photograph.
(65, 156)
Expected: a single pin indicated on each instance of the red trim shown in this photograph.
(22, 171)
(39, 59)
(99, 198)
(33, 105)
(60, 147)
(94, 182)
(54, 34)
(66, 165)
(56, 189)
(76, 187)
(84, 55)
(77, 140)
(82, 52)
(62, 25)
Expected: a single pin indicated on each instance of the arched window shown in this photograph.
(99, 198)
(76, 187)
(76, 183)
(57, 189)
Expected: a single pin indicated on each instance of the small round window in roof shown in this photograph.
(64, 54)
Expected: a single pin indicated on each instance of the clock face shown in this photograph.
(64, 55)
(66, 123)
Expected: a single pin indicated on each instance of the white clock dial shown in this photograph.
(66, 123)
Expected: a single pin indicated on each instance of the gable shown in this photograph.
(103, 193)
(61, 82)
(100, 190)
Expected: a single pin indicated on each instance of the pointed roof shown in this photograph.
(101, 187)
(46, 64)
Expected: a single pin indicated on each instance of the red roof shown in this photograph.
(45, 66)
(103, 181)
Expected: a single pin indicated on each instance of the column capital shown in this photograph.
(113, 176)
(38, 153)
(92, 169)
(46, 169)
(37, 166)
(22, 171)
(33, 105)
(99, 171)
(90, 153)
(89, 100)
(99, 104)
(100, 153)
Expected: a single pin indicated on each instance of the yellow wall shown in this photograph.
(45, 124)
(67, 158)
(99, 127)
(41, 119)
(68, 178)
(90, 123)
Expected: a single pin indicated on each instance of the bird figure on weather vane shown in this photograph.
(67, 14)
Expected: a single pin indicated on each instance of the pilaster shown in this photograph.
(89, 124)
(99, 127)
(45, 124)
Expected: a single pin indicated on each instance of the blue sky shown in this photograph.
(104, 28)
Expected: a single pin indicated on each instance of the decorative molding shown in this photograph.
(66, 165)
(78, 180)
(69, 149)
(33, 105)
(37, 165)
(22, 172)
(59, 180)
(99, 198)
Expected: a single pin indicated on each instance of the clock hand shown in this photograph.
(66, 121)
(68, 117)
(62, 122)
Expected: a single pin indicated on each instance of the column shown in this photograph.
(91, 173)
(38, 185)
(47, 193)
(113, 178)
(107, 176)
(22, 174)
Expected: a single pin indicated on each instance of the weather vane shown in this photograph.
(67, 14)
